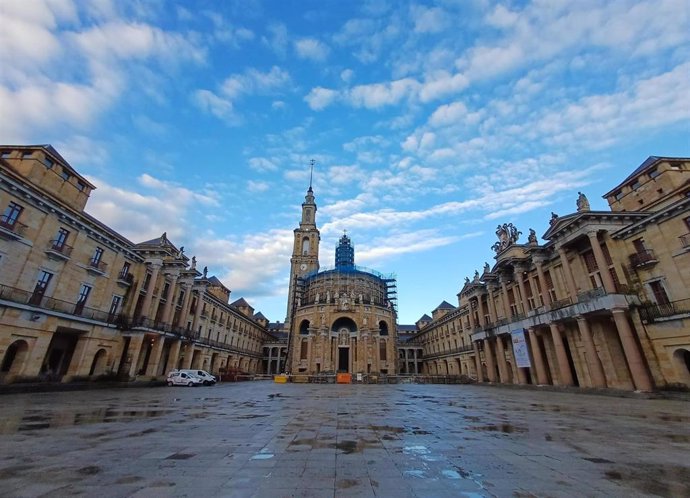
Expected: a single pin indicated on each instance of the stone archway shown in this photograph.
(343, 327)
(15, 358)
(681, 362)
(99, 363)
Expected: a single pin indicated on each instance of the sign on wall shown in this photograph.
(520, 348)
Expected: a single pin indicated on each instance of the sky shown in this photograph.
(430, 122)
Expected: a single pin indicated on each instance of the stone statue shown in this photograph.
(328, 297)
(180, 253)
(507, 235)
(582, 202)
(532, 237)
(205, 271)
(554, 218)
(316, 299)
(487, 268)
(193, 262)
(467, 280)
(360, 299)
(476, 276)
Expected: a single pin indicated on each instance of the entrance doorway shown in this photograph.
(59, 354)
(343, 359)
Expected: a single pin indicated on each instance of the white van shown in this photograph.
(208, 379)
(177, 378)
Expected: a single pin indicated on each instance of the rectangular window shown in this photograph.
(659, 292)
(48, 163)
(115, 306)
(382, 350)
(11, 214)
(6, 154)
(180, 299)
(166, 290)
(639, 246)
(26, 154)
(687, 223)
(653, 173)
(40, 288)
(97, 255)
(635, 184)
(81, 186)
(65, 175)
(303, 350)
(81, 300)
(618, 195)
(60, 239)
(125, 270)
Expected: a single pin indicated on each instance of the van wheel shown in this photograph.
(190, 383)
(170, 383)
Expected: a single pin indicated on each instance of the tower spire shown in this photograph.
(311, 171)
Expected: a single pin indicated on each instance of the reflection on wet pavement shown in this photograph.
(262, 439)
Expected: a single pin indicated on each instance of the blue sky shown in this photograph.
(430, 122)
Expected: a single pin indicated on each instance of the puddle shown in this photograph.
(263, 455)
(504, 428)
(346, 483)
(180, 456)
(416, 474)
(450, 474)
(30, 421)
(598, 460)
(386, 428)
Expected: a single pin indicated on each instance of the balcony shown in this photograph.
(96, 266)
(58, 250)
(11, 228)
(39, 301)
(675, 310)
(643, 258)
(125, 278)
(685, 241)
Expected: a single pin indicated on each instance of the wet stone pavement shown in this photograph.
(259, 439)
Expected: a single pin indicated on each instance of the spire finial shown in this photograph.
(311, 171)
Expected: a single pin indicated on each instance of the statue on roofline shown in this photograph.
(582, 202)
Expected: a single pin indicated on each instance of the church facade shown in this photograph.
(341, 319)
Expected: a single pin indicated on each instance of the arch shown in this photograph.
(681, 360)
(305, 246)
(383, 328)
(304, 327)
(344, 322)
(100, 360)
(15, 357)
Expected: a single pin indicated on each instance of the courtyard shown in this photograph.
(269, 440)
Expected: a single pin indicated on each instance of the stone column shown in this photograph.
(197, 312)
(565, 375)
(546, 297)
(270, 359)
(188, 356)
(490, 365)
(146, 306)
(596, 371)
(482, 311)
(173, 355)
(473, 321)
(521, 376)
(504, 297)
(501, 358)
(609, 284)
(537, 356)
(155, 358)
(169, 303)
(492, 305)
(184, 312)
(638, 369)
(569, 280)
(478, 362)
(135, 347)
(523, 291)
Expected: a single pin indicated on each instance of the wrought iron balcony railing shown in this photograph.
(653, 312)
(97, 266)
(59, 248)
(12, 225)
(124, 277)
(39, 301)
(643, 258)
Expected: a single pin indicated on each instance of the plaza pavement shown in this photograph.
(260, 439)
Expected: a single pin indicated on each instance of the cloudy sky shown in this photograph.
(430, 121)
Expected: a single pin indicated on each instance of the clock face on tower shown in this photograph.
(303, 266)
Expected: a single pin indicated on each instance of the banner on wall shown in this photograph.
(520, 348)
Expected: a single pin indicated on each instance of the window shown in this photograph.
(166, 290)
(81, 186)
(687, 222)
(382, 350)
(97, 255)
(65, 175)
(5, 154)
(114, 306)
(81, 300)
(60, 239)
(618, 195)
(48, 163)
(11, 214)
(303, 350)
(125, 270)
(40, 288)
(635, 184)
(653, 173)
(26, 154)
(659, 292)
(639, 246)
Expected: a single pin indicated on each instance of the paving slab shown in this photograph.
(259, 439)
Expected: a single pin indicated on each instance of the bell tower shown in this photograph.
(305, 251)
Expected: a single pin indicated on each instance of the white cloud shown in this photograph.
(429, 20)
(377, 95)
(277, 38)
(262, 164)
(346, 75)
(319, 98)
(253, 81)
(213, 104)
(257, 186)
(448, 114)
(312, 49)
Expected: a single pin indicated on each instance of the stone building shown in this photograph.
(341, 319)
(77, 299)
(604, 302)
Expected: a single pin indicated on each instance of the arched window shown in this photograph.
(304, 327)
(16, 354)
(305, 245)
(383, 328)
